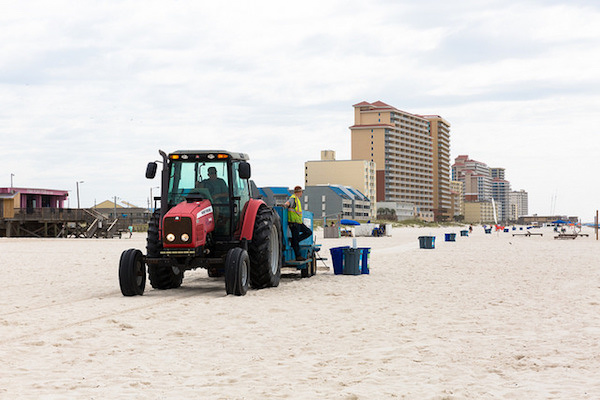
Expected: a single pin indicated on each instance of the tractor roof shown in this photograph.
(213, 154)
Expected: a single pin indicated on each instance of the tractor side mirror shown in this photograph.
(244, 170)
(151, 170)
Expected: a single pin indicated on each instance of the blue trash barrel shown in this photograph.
(352, 261)
(364, 266)
(450, 237)
(464, 233)
(427, 242)
(337, 257)
(488, 230)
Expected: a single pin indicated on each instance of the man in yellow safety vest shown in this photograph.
(297, 227)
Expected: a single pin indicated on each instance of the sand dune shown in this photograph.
(485, 317)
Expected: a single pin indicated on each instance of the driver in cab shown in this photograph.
(216, 186)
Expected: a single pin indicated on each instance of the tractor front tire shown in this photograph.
(132, 273)
(161, 277)
(265, 249)
(237, 265)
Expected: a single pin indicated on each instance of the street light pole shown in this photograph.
(115, 203)
(77, 183)
(152, 198)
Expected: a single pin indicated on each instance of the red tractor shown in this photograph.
(207, 219)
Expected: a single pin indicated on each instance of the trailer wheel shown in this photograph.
(161, 277)
(265, 250)
(132, 273)
(313, 265)
(237, 265)
(304, 272)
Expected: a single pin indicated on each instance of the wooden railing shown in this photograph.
(51, 214)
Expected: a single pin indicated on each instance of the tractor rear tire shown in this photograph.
(237, 266)
(161, 277)
(265, 249)
(132, 273)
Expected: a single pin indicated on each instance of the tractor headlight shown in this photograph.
(170, 237)
(185, 237)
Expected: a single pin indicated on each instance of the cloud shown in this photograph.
(91, 91)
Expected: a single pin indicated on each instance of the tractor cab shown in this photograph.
(218, 176)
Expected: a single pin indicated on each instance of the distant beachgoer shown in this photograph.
(130, 231)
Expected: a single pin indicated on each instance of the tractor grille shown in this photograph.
(177, 226)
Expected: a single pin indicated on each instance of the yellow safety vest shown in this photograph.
(295, 214)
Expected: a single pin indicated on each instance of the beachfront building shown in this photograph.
(442, 192)
(400, 145)
(33, 212)
(479, 212)
(123, 212)
(540, 220)
(358, 174)
(500, 193)
(457, 196)
(395, 211)
(518, 204)
(476, 177)
(30, 199)
(329, 202)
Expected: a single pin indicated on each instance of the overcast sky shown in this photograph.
(90, 90)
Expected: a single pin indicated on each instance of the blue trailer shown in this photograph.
(308, 247)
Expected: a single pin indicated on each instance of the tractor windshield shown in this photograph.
(209, 179)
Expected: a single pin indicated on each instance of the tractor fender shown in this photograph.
(249, 217)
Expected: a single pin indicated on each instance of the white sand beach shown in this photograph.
(490, 316)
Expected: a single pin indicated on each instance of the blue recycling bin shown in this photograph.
(506, 230)
(488, 230)
(464, 233)
(364, 260)
(352, 261)
(427, 242)
(337, 257)
(450, 237)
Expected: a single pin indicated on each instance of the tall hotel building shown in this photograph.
(442, 190)
(411, 154)
(500, 193)
(519, 204)
(476, 177)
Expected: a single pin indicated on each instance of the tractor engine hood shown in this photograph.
(187, 224)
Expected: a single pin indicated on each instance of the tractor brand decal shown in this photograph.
(207, 210)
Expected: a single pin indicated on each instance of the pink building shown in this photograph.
(30, 199)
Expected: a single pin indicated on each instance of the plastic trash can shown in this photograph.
(464, 233)
(506, 230)
(337, 257)
(364, 260)
(450, 237)
(427, 242)
(488, 230)
(351, 261)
